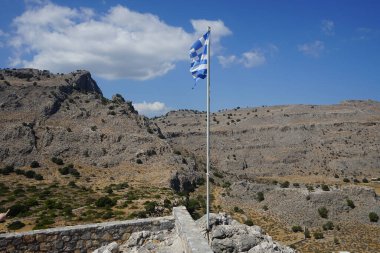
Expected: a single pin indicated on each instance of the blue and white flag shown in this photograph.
(198, 55)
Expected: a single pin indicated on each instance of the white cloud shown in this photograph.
(249, 59)
(151, 109)
(3, 36)
(313, 49)
(227, 61)
(253, 59)
(218, 29)
(328, 27)
(118, 44)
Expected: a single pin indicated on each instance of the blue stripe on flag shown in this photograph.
(198, 66)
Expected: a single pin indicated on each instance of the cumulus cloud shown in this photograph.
(328, 27)
(252, 59)
(218, 31)
(313, 49)
(118, 44)
(249, 59)
(3, 36)
(227, 61)
(151, 109)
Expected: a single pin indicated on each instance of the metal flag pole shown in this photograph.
(208, 129)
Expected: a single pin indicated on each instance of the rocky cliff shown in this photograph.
(45, 115)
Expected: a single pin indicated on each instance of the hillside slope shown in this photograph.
(299, 140)
(45, 115)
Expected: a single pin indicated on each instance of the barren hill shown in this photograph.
(65, 116)
(299, 140)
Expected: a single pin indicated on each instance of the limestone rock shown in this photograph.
(228, 235)
(113, 247)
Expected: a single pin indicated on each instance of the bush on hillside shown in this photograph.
(323, 212)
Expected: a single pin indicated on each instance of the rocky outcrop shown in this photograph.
(45, 115)
(228, 235)
(83, 81)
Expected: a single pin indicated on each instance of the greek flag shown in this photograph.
(198, 55)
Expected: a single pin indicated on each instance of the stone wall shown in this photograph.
(81, 238)
(189, 232)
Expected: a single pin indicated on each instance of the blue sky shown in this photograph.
(263, 52)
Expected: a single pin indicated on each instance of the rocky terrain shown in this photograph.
(304, 140)
(280, 165)
(226, 235)
(45, 115)
(69, 155)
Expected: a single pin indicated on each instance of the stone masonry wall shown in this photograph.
(81, 238)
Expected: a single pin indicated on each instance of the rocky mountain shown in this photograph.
(45, 115)
(310, 141)
(293, 167)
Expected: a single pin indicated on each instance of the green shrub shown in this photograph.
(285, 184)
(30, 173)
(17, 209)
(260, 196)
(297, 228)
(265, 208)
(139, 161)
(105, 202)
(325, 188)
(192, 205)
(238, 210)
(365, 180)
(64, 170)
(38, 177)
(167, 203)
(350, 203)
(34, 164)
(19, 172)
(219, 175)
(373, 217)
(248, 222)
(346, 180)
(150, 206)
(57, 160)
(7, 170)
(328, 226)
(318, 235)
(16, 225)
(31, 202)
(297, 185)
(43, 222)
(226, 184)
(3, 189)
(323, 212)
(307, 233)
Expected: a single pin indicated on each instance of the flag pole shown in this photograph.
(208, 130)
